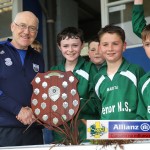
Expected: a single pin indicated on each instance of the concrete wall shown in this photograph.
(67, 15)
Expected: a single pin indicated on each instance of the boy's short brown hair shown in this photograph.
(146, 33)
(112, 29)
(70, 32)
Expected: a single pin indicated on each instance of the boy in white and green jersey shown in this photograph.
(70, 42)
(116, 82)
(143, 111)
(119, 96)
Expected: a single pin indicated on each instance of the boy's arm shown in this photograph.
(138, 18)
(91, 106)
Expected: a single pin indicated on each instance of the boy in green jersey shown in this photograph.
(138, 18)
(143, 111)
(70, 42)
(116, 82)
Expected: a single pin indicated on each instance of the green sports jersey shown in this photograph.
(118, 96)
(143, 110)
(138, 19)
(84, 71)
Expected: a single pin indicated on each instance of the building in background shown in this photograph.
(90, 16)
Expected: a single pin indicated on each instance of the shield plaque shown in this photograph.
(55, 98)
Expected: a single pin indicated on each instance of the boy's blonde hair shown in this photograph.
(36, 45)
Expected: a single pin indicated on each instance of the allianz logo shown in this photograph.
(145, 127)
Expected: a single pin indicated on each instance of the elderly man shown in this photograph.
(19, 64)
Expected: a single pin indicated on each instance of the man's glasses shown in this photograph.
(23, 26)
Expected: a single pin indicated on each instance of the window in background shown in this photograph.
(121, 15)
(6, 18)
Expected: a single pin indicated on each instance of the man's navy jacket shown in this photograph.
(15, 82)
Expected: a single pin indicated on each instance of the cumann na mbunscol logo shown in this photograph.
(97, 129)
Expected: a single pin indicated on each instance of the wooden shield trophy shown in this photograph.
(55, 98)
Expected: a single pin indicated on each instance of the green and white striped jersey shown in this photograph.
(119, 95)
(143, 111)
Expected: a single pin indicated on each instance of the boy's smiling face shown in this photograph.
(112, 47)
(71, 48)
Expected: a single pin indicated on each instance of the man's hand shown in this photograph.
(26, 116)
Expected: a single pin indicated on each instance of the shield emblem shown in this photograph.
(55, 98)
